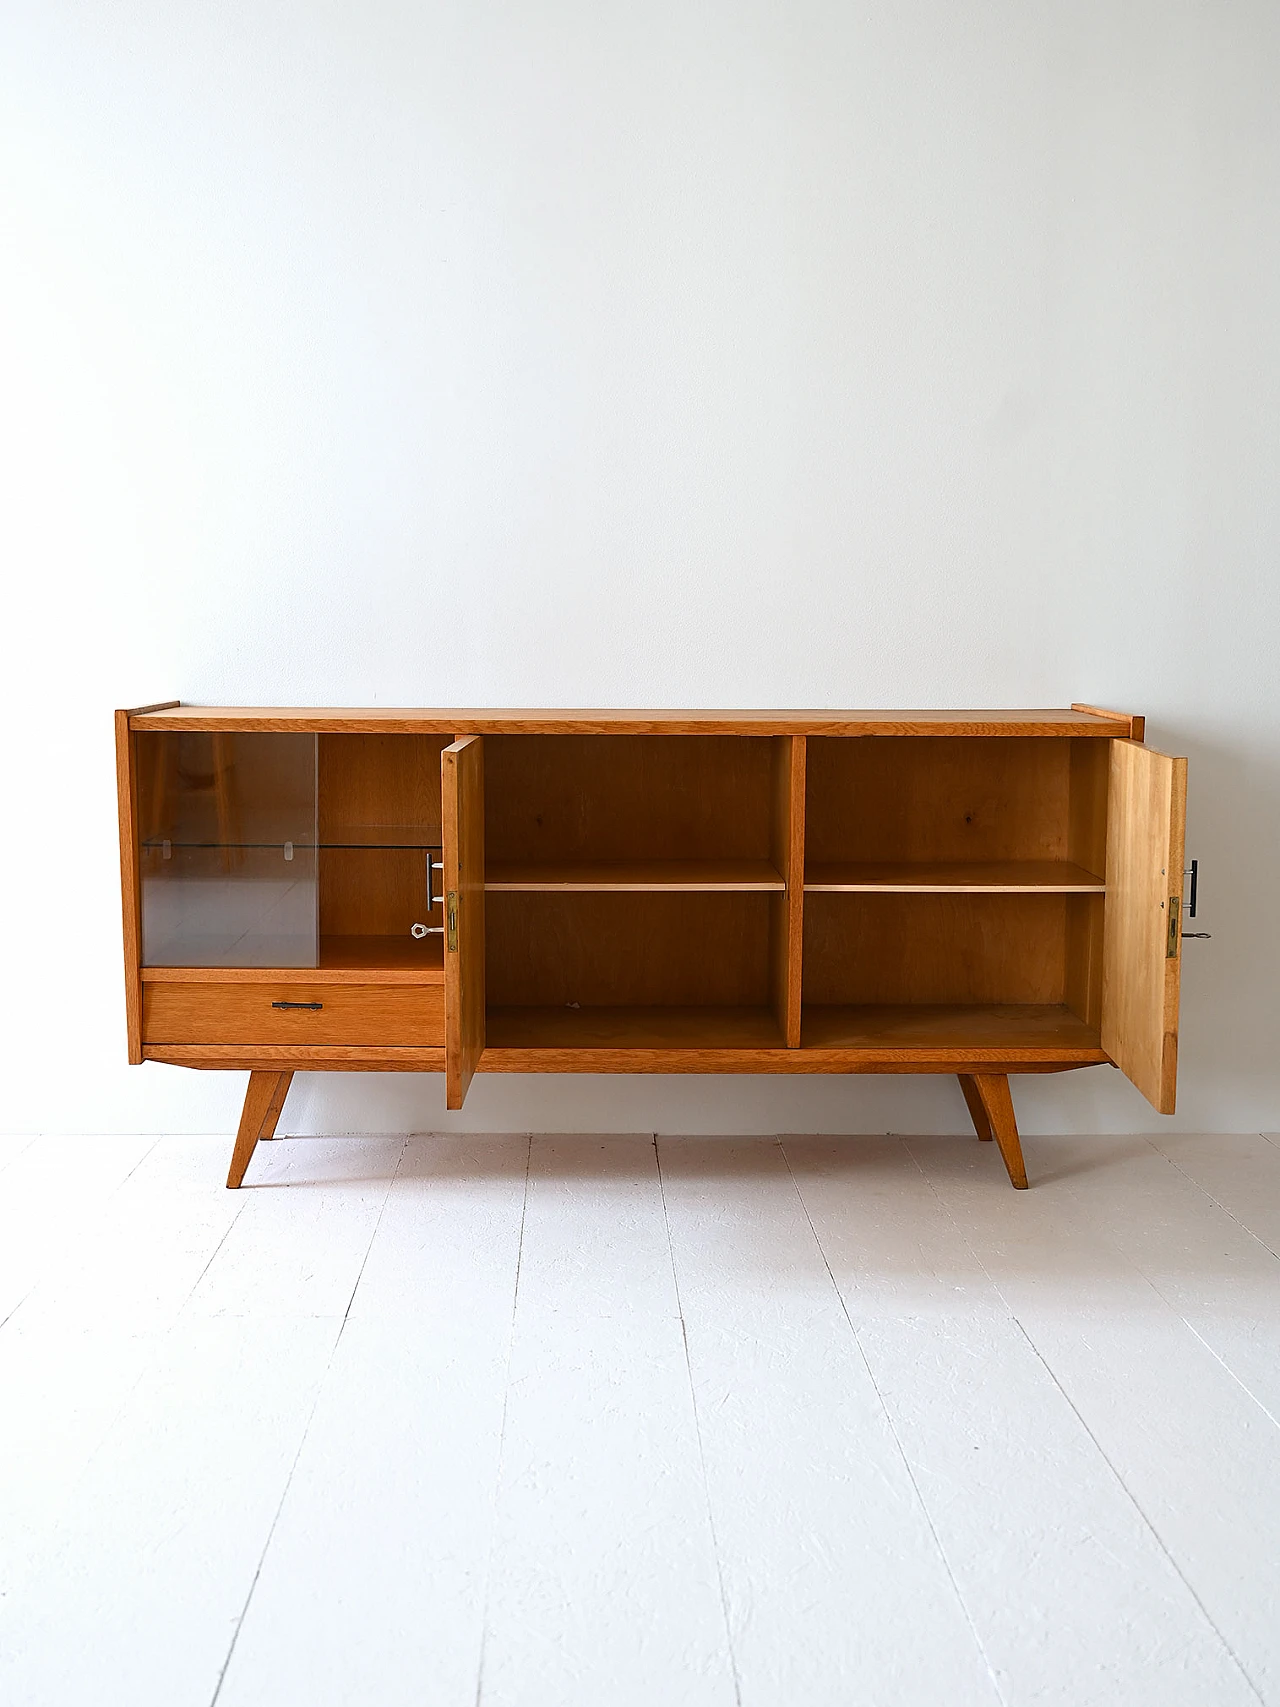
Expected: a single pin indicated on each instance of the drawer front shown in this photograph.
(386, 1014)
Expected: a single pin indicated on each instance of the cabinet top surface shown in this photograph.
(388, 720)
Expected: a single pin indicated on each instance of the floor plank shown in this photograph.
(1071, 1593)
(53, 1189)
(12, 1145)
(372, 1587)
(84, 1335)
(304, 1230)
(1196, 1453)
(604, 1585)
(836, 1588)
(440, 1434)
(1239, 1170)
(1217, 1275)
(155, 1561)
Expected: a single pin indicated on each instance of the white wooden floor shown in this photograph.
(584, 1420)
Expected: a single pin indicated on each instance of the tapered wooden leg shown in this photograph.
(263, 1102)
(997, 1105)
(978, 1114)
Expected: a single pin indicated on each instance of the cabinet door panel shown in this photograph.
(1142, 938)
(462, 776)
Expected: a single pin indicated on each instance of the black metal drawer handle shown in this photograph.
(311, 1007)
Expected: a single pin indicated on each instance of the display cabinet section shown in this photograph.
(380, 848)
(1007, 814)
(227, 861)
(976, 893)
(635, 812)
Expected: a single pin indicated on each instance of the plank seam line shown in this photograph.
(147, 1366)
(108, 1198)
(697, 1429)
(1182, 1315)
(1230, 1214)
(1120, 1481)
(21, 1151)
(502, 1426)
(889, 1424)
(302, 1439)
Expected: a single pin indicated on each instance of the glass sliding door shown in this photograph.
(227, 833)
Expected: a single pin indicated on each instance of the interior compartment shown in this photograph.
(955, 951)
(885, 807)
(556, 962)
(954, 883)
(553, 801)
(935, 948)
(294, 850)
(379, 827)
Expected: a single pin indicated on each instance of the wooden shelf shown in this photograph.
(650, 876)
(644, 1028)
(343, 960)
(386, 959)
(375, 838)
(951, 1038)
(1044, 1032)
(952, 877)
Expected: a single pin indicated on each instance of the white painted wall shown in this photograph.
(923, 352)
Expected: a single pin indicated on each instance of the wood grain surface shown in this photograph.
(354, 720)
(1142, 955)
(235, 1013)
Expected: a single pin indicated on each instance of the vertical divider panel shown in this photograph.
(130, 897)
(787, 917)
(462, 826)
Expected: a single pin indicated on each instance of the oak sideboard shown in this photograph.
(979, 893)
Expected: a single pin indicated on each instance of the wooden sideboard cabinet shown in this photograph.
(977, 893)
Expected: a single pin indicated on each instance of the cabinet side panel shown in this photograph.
(130, 901)
(1142, 948)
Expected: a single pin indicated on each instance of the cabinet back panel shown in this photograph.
(373, 891)
(380, 781)
(934, 948)
(627, 797)
(626, 950)
(937, 798)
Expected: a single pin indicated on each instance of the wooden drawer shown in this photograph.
(248, 1013)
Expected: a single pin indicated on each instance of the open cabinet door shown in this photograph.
(462, 775)
(1142, 933)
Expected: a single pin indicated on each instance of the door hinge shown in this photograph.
(451, 921)
(1175, 918)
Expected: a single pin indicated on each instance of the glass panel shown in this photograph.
(227, 826)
